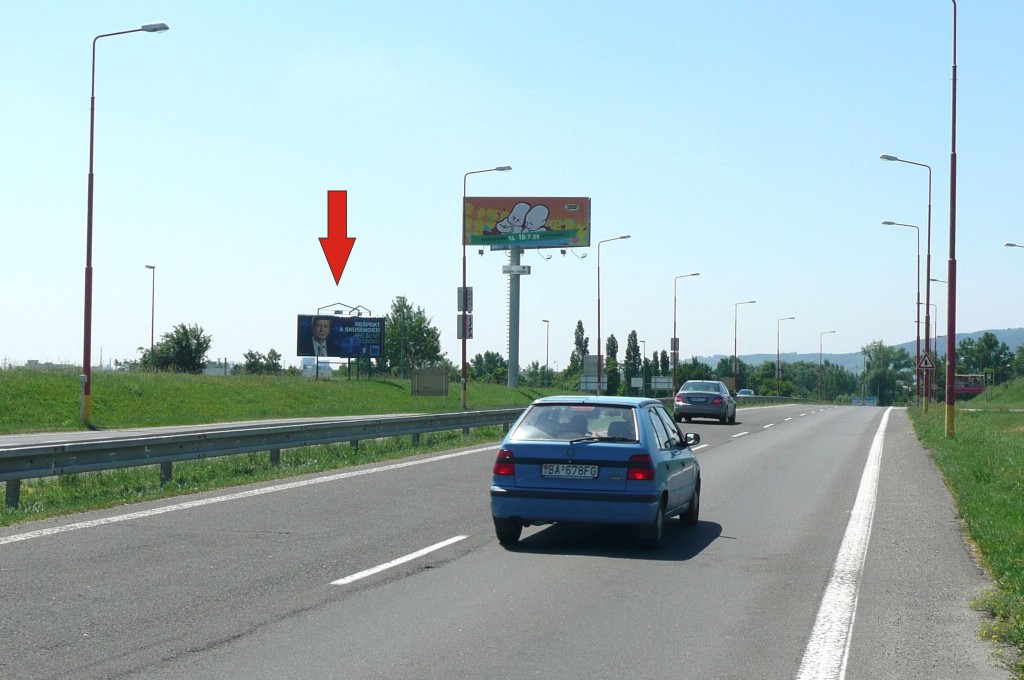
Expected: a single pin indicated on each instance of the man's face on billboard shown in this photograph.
(321, 329)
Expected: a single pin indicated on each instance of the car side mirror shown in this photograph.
(691, 438)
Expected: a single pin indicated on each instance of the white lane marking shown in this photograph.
(802, 415)
(4, 540)
(698, 448)
(741, 434)
(769, 425)
(394, 563)
(790, 418)
(829, 645)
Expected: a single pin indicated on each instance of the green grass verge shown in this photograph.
(983, 464)
(37, 401)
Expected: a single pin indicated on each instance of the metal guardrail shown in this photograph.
(142, 447)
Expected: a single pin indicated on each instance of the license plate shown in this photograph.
(698, 400)
(569, 470)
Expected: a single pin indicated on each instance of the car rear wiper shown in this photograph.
(601, 438)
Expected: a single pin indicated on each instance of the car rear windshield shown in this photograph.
(700, 387)
(572, 421)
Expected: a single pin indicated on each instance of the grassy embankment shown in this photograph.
(983, 464)
(32, 401)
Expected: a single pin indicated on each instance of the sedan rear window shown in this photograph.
(700, 387)
(573, 421)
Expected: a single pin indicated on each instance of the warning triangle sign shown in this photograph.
(926, 362)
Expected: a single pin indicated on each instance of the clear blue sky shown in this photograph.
(736, 138)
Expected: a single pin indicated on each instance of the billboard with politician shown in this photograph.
(342, 337)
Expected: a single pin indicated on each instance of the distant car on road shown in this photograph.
(595, 460)
(704, 399)
(745, 393)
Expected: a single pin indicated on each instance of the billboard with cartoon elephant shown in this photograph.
(502, 222)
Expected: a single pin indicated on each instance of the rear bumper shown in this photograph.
(544, 505)
(702, 411)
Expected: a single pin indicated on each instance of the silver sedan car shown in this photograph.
(704, 399)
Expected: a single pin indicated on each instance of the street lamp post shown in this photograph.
(600, 360)
(935, 323)
(778, 354)
(928, 264)
(821, 340)
(675, 337)
(951, 275)
(547, 344)
(935, 328)
(917, 358)
(464, 319)
(152, 310)
(735, 343)
(86, 377)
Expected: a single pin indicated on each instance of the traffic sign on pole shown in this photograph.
(468, 298)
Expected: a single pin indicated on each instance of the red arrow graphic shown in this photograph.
(337, 246)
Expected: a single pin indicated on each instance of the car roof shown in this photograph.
(603, 400)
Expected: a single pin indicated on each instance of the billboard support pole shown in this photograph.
(514, 260)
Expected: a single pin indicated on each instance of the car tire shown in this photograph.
(724, 419)
(732, 418)
(678, 418)
(692, 514)
(688, 419)
(507, 530)
(654, 532)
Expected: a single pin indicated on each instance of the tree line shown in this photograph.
(412, 341)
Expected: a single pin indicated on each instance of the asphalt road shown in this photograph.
(828, 547)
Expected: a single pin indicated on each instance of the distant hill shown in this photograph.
(854, 361)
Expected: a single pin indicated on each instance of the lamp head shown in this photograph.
(156, 28)
(888, 223)
(887, 157)
(503, 168)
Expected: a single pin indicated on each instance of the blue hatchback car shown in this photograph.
(606, 460)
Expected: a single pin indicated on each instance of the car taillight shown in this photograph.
(640, 468)
(716, 401)
(504, 464)
(679, 399)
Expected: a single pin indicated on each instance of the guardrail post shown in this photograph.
(416, 439)
(275, 457)
(166, 473)
(355, 444)
(13, 492)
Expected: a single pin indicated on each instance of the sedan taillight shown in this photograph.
(716, 401)
(504, 464)
(640, 468)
